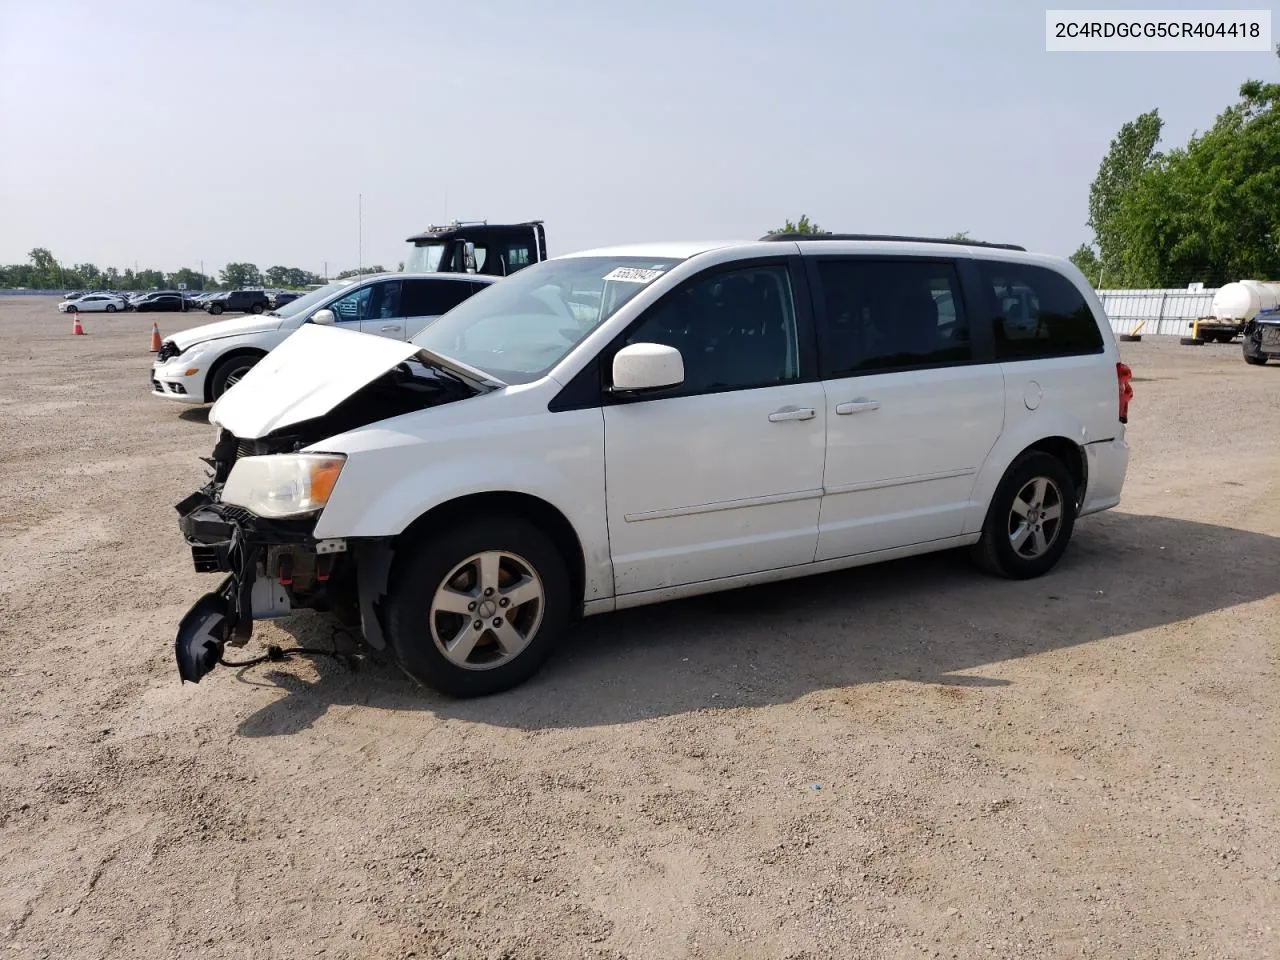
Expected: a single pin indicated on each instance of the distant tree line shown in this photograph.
(44, 272)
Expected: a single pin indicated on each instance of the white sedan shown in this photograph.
(92, 303)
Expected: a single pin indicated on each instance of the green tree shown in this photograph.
(292, 277)
(235, 275)
(1210, 211)
(347, 274)
(803, 225)
(1087, 261)
(960, 235)
(194, 279)
(1131, 154)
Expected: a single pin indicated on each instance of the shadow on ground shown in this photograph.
(195, 414)
(923, 619)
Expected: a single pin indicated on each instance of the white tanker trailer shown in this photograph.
(1234, 305)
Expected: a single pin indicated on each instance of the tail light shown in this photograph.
(1124, 378)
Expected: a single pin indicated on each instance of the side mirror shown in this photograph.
(323, 317)
(647, 366)
(469, 257)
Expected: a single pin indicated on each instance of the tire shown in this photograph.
(1130, 337)
(419, 629)
(73, 309)
(1251, 346)
(216, 309)
(257, 308)
(229, 371)
(111, 308)
(1192, 341)
(995, 551)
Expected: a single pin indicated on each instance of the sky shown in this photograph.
(204, 131)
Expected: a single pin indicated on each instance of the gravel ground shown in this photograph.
(912, 760)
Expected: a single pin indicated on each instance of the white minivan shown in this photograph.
(625, 426)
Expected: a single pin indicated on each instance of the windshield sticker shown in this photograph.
(633, 275)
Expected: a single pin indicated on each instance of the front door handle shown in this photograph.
(860, 405)
(389, 327)
(792, 413)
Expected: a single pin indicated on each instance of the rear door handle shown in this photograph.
(860, 405)
(389, 327)
(792, 413)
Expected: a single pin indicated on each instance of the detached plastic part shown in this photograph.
(202, 635)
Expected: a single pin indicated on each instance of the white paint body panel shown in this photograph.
(903, 472)
(706, 486)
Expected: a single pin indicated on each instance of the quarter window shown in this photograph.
(735, 330)
(891, 315)
(1038, 313)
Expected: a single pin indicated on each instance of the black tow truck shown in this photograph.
(477, 246)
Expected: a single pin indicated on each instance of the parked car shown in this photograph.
(239, 301)
(92, 303)
(278, 300)
(625, 426)
(1262, 338)
(199, 365)
(162, 302)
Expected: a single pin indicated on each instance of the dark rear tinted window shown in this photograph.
(430, 298)
(891, 315)
(1038, 313)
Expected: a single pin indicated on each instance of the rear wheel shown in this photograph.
(257, 308)
(1030, 520)
(111, 308)
(479, 606)
(215, 309)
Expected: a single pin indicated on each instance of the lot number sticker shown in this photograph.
(633, 275)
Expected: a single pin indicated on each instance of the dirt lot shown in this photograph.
(904, 761)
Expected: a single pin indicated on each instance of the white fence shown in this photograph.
(1165, 311)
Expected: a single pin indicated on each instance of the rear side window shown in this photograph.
(1038, 313)
(431, 298)
(884, 315)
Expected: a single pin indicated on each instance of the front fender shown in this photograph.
(385, 488)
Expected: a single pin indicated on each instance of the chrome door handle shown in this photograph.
(860, 405)
(792, 413)
(389, 327)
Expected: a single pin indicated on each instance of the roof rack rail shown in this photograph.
(882, 236)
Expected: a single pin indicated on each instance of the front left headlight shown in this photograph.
(283, 484)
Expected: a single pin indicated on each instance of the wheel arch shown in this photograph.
(537, 511)
(1054, 439)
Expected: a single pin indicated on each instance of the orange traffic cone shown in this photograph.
(76, 329)
(155, 337)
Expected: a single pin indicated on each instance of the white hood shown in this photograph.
(313, 371)
(235, 327)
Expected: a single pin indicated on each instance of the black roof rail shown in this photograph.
(882, 236)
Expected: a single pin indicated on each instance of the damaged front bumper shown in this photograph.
(273, 567)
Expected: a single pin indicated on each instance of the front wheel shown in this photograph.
(111, 308)
(215, 309)
(1030, 520)
(1252, 347)
(230, 372)
(257, 308)
(479, 607)
(73, 309)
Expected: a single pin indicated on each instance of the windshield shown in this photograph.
(305, 303)
(521, 327)
(425, 258)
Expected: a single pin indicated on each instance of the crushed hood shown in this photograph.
(313, 371)
(235, 327)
